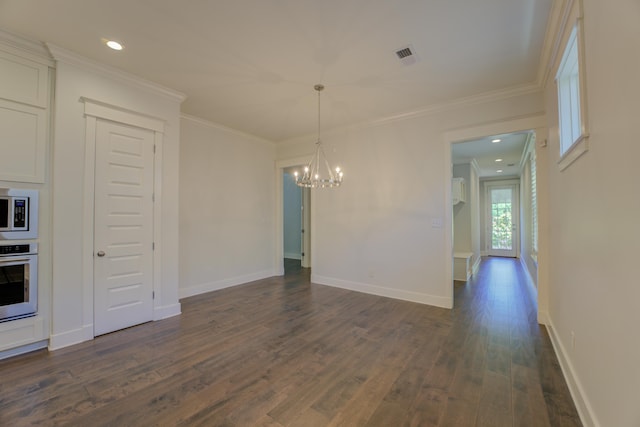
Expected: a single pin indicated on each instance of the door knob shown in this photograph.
(100, 253)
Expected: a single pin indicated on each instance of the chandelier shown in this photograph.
(318, 173)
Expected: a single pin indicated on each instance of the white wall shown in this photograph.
(227, 196)
(72, 312)
(462, 212)
(292, 224)
(594, 232)
(466, 216)
(375, 233)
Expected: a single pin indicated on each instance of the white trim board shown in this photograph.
(66, 56)
(225, 283)
(23, 349)
(585, 410)
(366, 288)
(67, 338)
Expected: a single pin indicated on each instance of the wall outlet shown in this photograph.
(436, 223)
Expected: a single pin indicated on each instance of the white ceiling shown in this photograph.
(251, 64)
(485, 152)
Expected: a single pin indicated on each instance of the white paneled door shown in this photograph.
(123, 235)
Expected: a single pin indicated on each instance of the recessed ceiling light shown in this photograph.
(114, 45)
(498, 160)
(499, 171)
(495, 140)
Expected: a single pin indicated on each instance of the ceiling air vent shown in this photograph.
(403, 53)
(406, 55)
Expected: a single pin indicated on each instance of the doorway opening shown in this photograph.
(487, 218)
(293, 218)
(296, 223)
(465, 146)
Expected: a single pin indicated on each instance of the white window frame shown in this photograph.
(572, 106)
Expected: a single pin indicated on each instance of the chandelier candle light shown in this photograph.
(315, 175)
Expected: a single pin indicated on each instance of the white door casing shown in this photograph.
(306, 226)
(123, 226)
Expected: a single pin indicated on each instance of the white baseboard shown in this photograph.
(65, 339)
(437, 301)
(167, 311)
(292, 255)
(543, 317)
(585, 411)
(225, 283)
(23, 349)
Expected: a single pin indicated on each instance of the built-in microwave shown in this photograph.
(18, 214)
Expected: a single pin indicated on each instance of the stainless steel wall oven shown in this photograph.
(18, 280)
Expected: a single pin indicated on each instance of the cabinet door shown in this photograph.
(23, 80)
(23, 131)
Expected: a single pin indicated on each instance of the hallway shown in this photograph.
(521, 374)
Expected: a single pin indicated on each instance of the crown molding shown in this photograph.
(26, 48)
(214, 125)
(485, 97)
(482, 98)
(68, 57)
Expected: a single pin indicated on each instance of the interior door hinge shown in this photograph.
(153, 294)
(153, 246)
(153, 197)
(302, 253)
(154, 148)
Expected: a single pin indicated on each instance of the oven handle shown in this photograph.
(12, 260)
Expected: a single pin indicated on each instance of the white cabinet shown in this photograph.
(24, 117)
(462, 266)
(458, 192)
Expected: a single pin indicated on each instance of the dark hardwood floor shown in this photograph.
(284, 352)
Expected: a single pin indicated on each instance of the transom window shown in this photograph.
(571, 100)
(569, 95)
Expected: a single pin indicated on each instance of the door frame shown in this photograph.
(514, 184)
(93, 111)
(281, 165)
(536, 123)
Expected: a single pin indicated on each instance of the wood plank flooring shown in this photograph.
(285, 352)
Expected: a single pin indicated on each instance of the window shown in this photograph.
(571, 101)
